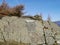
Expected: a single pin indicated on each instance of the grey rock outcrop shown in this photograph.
(28, 31)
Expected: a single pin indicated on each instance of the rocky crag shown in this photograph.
(26, 31)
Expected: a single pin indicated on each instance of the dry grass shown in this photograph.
(13, 43)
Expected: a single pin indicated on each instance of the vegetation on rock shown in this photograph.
(5, 10)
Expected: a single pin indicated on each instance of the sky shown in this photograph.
(45, 7)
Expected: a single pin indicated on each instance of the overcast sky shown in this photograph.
(32, 7)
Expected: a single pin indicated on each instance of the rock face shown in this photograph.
(25, 31)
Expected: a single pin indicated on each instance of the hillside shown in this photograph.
(27, 31)
(58, 23)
